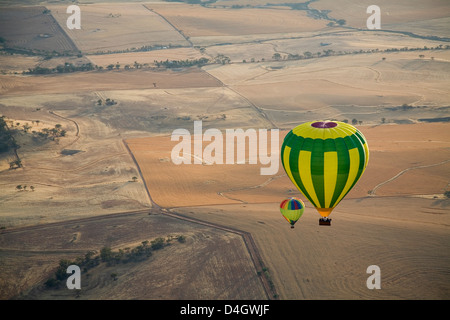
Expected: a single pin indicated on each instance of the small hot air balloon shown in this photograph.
(292, 209)
(324, 160)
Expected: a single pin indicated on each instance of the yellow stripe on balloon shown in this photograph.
(353, 172)
(304, 161)
(366, 151)
(307, 131)
(330, 175)
(286, 154)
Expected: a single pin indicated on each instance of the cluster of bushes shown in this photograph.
(66, 68)
(330, 52)
(38, 52)
(110, 257)
(108, 102)
(140, 49)
(181, 63)
(52, 133)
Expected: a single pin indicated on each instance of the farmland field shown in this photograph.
(31, 29)
(113, 27)
(91, 168)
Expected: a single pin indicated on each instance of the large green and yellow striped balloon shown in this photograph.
(324, 160)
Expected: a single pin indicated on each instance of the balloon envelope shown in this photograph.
(292, 209)
(324, 160)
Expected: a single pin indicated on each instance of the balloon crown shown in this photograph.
(324, 124)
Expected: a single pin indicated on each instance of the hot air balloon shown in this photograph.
(292, 209)
(324, 160)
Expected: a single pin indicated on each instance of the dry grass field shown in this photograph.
(238, 246)
(364, 87)
(118, 26)
(398, 15)
(99, 81)
(195, 21)
(408, 149)
(220, 259)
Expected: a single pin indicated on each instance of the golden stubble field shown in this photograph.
(396, 217)
(118, 26)
(401, 156)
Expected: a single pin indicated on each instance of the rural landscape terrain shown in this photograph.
(87, 175)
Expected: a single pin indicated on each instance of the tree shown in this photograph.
(26, 127)
(276, 56)
(105, 253)
(134, 179)
(220, 58)
(15, 164)
(341, 22)
(32, 188)
(307, 54)
(157, 244)
(19, 187)
(354, 121)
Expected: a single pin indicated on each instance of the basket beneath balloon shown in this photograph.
(324, 222)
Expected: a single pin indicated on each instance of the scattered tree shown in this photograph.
(276, 56)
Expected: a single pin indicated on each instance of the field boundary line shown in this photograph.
(154, 204)
(69, 39)
(249, 243)
(170, 23)
(372, 192)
